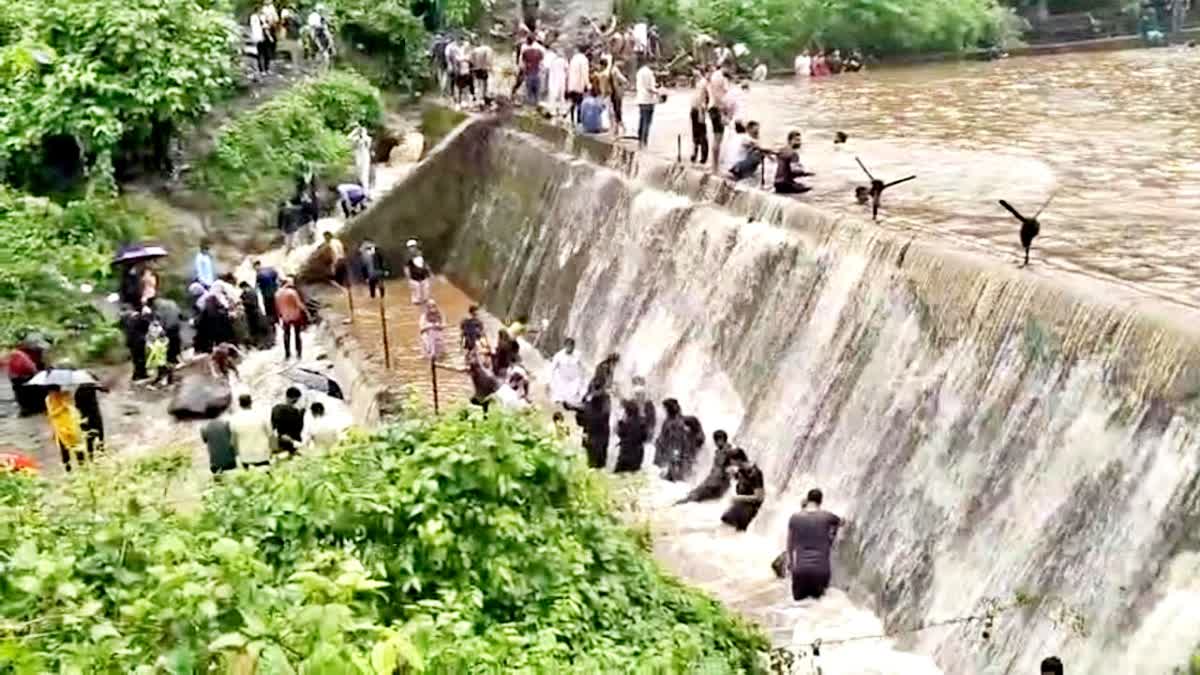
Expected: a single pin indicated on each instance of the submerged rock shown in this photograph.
(200, 396)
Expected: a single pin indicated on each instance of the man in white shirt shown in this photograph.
(647, 97)
(567, 376)
(577, 83)
(258, 37)
(320, 432)
(251, 434)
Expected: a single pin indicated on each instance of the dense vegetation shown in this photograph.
(777, 29)
(452, 546)
(259, 154)
(47, 251)
(103, 80)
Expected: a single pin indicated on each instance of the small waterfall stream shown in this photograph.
(988, 433)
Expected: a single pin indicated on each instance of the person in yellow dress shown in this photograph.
(66, 423)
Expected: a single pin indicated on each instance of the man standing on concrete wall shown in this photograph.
(647, 97)
(531, 68)
(577, 83)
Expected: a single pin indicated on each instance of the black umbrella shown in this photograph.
(135, 253)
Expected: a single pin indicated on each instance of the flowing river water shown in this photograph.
(1113, 136)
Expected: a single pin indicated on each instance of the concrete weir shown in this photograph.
(989, 432)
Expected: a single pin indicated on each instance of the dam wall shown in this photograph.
(989, 432)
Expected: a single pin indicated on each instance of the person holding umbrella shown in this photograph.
(138, 284)
(65, 420)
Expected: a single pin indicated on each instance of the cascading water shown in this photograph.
(988, 433)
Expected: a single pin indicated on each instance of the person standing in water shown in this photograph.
(418, 274)
(811, 532)
(716, 484)
(749, 494)
(632, 435)
(567, 376)
(673, 435)
(645, 405)
(593, 417)
(681, 464)
(432, 325)
(788, 169)
(699, 124)
(1052, 665)
(471, 329)
(603, 377)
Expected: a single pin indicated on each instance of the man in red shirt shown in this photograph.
(293, 315)
(531, 67)
(23, 363)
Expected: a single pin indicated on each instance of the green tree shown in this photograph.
(103, 76)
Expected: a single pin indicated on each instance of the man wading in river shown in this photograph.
(811, 532)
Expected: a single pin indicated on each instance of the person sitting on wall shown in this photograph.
(591, 113)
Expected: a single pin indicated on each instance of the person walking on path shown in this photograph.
(23, 363)
(718, 92)
(204, 269)
(87, 401)
(218, 441)
(335, 252)
(418, 274)
(267, 280)
(482, 57)
(471, 330)
(567, 375)
(66, 423)
(258, 38)
(648, 96)
(287, 421)
(167, 313)
(251, 434)
(361, 139)
(293, 315)
(811, 532)
(432, 326)
(373, 267)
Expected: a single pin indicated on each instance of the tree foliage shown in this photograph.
(452, 546)
(258, 155)
(391, 35)
(777, 29)
(46, 253)
(109, 74)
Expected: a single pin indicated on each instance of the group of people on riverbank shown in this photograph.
(267, 27)
(250, 438)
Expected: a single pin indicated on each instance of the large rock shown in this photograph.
(568, 18)
(200, 396)
(408, 150)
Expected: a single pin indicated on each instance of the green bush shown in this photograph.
(451, 546)
(111, 75)
(257, 155)
(46, 252)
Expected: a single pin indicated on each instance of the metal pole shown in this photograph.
(679, 148)
(387, 349)
(433, 374)
(350, 297)
(762, 176)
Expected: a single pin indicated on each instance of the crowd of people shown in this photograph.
(250, 438)
(267, 27)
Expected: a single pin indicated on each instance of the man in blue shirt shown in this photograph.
(591, 113)
(206, 273)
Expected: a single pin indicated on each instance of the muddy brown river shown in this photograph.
(1114, 137)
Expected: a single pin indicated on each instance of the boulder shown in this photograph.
(200, 396)
(408, 150)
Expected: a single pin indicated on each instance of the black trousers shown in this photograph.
(291, 331)
(596, 445)
(263, 54)
(137, 354)
(575, 98)
(174, 346)
(699, 137)
(809, 583)
(375, 283)
(791, 188)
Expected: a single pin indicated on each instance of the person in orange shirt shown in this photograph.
(293, 315)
